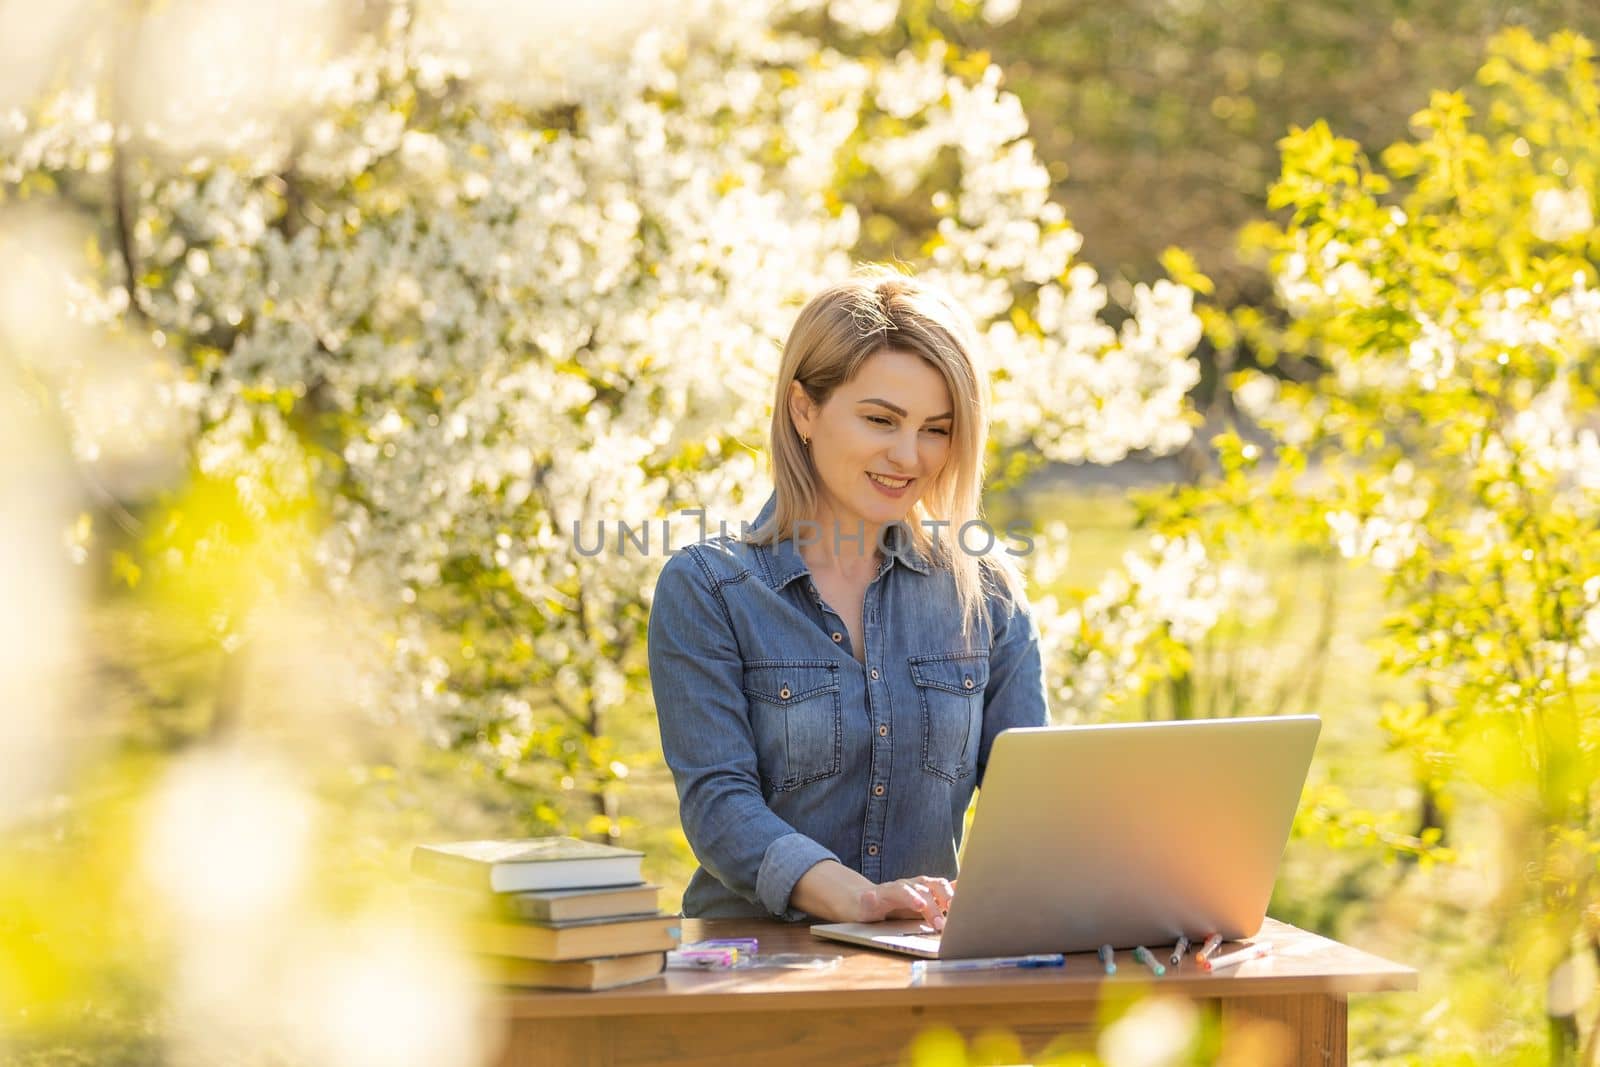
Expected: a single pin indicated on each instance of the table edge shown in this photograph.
(648, 999)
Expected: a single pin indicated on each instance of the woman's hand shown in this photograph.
(832, 891)
(924, 898)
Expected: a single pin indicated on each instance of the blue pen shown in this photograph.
(988, 963)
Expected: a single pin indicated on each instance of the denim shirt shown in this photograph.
(787, 751)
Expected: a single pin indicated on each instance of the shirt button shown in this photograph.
(877, 790)
(875, 672)
(784, 692)
(837, 637)
(967, 682)
(883, 731)
(872, 850)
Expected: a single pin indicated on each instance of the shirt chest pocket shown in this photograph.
(950, 690)
(796, 716)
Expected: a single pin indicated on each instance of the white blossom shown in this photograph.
(865, 16)
(996, 12)
(1562, 213)
(1106, 651)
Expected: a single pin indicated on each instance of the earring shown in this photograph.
(805, 440)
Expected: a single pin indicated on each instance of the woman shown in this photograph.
(828, 685)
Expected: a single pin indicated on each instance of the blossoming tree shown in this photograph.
(470, 299)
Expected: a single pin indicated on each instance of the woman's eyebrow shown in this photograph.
(902, 411)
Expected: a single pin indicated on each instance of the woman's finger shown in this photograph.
(906, 898)
(925, 904)
(920, 899)
(941, 890)
(901, 899)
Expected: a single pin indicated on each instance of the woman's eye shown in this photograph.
(940, 430)
(879, 420)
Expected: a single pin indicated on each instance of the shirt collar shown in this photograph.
(784, 563)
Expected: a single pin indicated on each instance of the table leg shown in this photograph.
(1307, 1029)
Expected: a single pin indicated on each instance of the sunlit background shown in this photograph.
(323, 322)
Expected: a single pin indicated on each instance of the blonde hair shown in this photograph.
(836, 333)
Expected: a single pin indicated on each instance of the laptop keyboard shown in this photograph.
(915, 942)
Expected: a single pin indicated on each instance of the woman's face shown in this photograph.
(880, 440)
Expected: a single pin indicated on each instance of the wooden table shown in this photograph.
(1289, 1007)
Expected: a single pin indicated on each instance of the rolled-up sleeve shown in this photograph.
(1015, 695)
(697, 676)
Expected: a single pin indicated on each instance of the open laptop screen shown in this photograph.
(1122, 834)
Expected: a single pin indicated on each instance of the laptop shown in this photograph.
(1122, 834)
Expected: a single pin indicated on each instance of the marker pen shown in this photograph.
(1108, 957)
(1142, 954)
(1212, 944)
(1178, 950)
(1254, 952)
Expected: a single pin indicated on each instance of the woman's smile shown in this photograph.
(890, 487)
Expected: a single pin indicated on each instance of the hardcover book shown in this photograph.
(528, 863)
(570, 941)
(539, 906)
(604, 973)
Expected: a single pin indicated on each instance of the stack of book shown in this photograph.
(554, 911)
